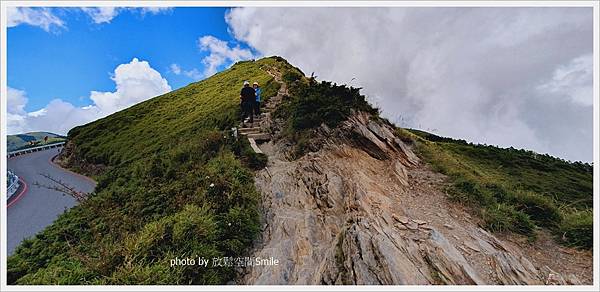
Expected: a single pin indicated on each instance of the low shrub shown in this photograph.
(577, 229)
(503, 217)
(540, 208)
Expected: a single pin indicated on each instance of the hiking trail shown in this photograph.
(364, 209)
(259, 131)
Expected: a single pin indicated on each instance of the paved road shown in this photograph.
(39, 207)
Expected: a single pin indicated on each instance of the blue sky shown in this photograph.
(68, 63)
(470, 73)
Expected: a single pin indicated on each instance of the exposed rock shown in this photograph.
(420, 222)
(412, 225)
(471, 246)
(339, 221)
(70, 158)
(401, 219)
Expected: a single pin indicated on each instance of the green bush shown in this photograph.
(317, 103)
(541, 209)
(255, 161)
(62, 271)
(312, 104)
(503, 217)
(577, 229)
(290, 76)
(159, 273)
(467, 191)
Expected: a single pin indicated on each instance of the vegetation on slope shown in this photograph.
(21, 141)
(512, 190)
(312, 104)
(176, 184)
(515, 190)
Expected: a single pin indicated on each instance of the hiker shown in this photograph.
(247, 98)
(257, 102)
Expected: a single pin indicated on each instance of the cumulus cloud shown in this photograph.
(135, 81)
(518, 77)
(16, 101)
(220, 53)
(41, 17)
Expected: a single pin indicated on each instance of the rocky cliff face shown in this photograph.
(363, 210)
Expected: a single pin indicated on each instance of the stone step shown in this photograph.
(254, 146)
(248, 133)
(249, 130)
(248, 124)
(251, 125)
(258, 136)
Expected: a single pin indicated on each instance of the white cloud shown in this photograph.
(573, 80)
(44, 17)
(106, 14)
(505, 76)
(101, 14)
(220, 53)
(135, 81)
(41, 17)
(175, 69)
(17, 99)
(155, 10)
(192, 74)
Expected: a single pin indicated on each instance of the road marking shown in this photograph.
(18, 197)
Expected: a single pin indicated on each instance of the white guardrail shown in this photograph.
(33, 149)
(13, 184)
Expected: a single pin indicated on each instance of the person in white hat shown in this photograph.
(247, 98)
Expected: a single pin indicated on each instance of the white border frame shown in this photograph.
(131, 3)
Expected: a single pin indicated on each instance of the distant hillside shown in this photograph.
(515, 190)
(19, 141)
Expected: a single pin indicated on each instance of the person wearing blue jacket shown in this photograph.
(257, 92)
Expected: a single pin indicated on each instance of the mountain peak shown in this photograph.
(319, 183)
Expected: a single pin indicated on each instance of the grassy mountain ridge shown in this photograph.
(175, 184)
(167, 120)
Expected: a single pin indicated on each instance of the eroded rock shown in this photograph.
(344, 220)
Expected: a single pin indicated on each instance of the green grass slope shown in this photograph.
(175, 184)
(21, 141)
(515, 190)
